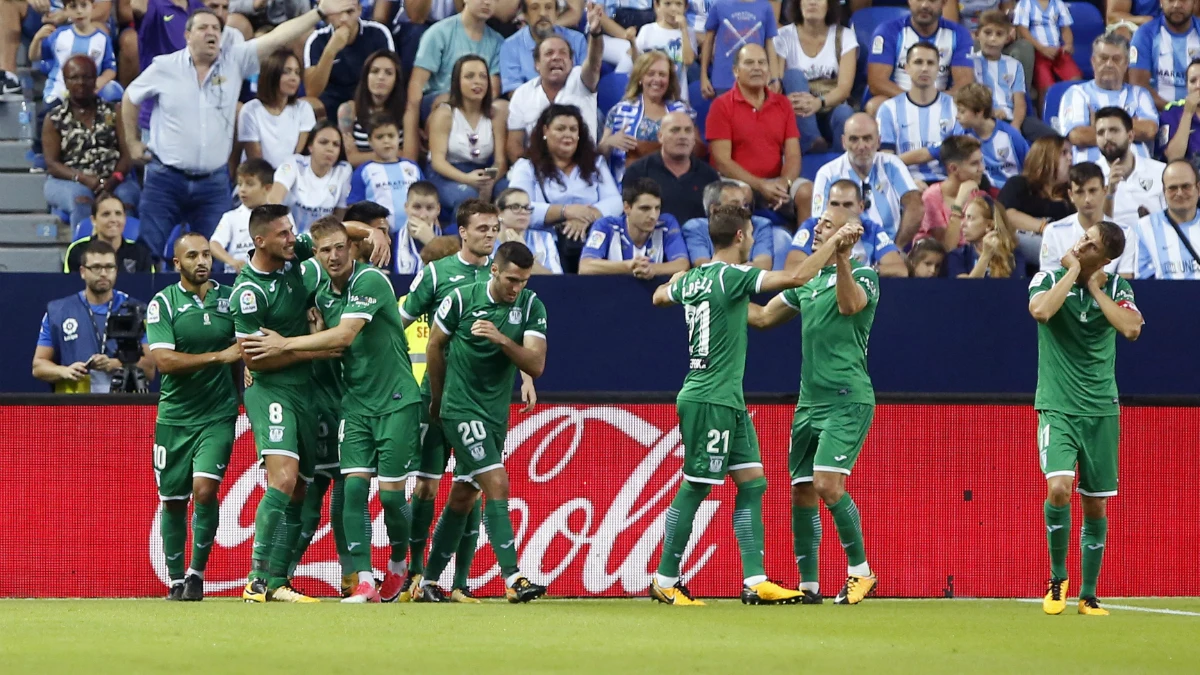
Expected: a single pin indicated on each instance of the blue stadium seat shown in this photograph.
(1088, 25)
(864, 22)
(699, 104)
(1053, 98)
(811, 163)
(168, 252)
(133, 227)
(609, 91)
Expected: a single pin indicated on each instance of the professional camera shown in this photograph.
(127, 325)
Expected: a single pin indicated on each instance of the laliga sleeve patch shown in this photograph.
(444, 309)
(1132, 54)
(248, 302)
(802, 236)
(877, 45)
(416, 280)
(1037, 279)
(595, 239)
(152, 312)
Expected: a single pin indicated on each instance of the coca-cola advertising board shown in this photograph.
(950, 495)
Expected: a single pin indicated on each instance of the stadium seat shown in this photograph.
(699, 104)
(1053, 97)
(1088, 25)
(609, 91)
(864, 22)
(168, 252)
(132, 228)
(811, 163)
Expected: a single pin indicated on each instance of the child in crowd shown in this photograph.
(1004, 148)
(926, 259)
(667, 34)
(54, 45)
(515, 212)
(1003, 75)
(421, 209)
(1047, 24)
(386, 181)
(731, 25)
(231, 241)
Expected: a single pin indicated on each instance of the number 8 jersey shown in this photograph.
(715, 297)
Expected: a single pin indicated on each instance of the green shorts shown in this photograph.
(1091, 442)
(326, 461)
(385, 445)
(827, 438)
(283, 423)
(717, 439)
(181, 453)
(435, 447)
(481, 449)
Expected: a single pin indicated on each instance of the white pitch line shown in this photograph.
(1131, 608)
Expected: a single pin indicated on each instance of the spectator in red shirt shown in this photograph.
(752, 134)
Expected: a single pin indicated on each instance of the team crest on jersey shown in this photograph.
(207, 320)
(152, 312)
(877, 45)
(1008, 79)
(70, 330)
(1002, 153)
(1146, 183)
(223, 305)
(515, 315)
(247, 302)
(946, 125)
(275, 434)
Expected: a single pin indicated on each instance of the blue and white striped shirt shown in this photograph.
(888, 181)
(1085, 98)
(64, 43)
(904, 126)
(543, 245)
(1045, 23)
(889, 46)
(1003, 152)
(1005, 77)
(1160, 253)
(1165, 54)
(387, 185)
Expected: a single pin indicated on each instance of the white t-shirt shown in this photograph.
(826, 63)
(310, 196)
(1142, 188)
(233, 234)
(276, 134)
(1061, 235)
(529, 100)
(670, 40)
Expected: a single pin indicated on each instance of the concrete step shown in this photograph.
(32, 258)
(22, 192)
(33, 228)
(12, 156)
(10, 123)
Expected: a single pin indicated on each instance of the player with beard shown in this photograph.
(270, 294)
(1135, 185)
(190, 330)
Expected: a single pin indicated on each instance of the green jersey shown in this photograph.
(434, 282)
(834, 346)
(328, 387)
(479, 375)
(279, 301)
(715, 297)
(1077, 350)
(181, 321)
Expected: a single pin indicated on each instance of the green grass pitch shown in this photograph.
(594, 636)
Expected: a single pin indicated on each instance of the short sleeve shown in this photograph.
(1124, 295)
(449, 311)
(821, 190)
(45, 339)
(1064, 15)
(510, 65)
(249, 305)
(224, 232)
(1018, 85)
(248, 127)
(717, 127)
(358, 187)
(310, 273)
(145, 85)
(420, 294)
(1041, 282)
(791, 298)
(369, 292)
(307, 118)
(1146, 109)
(695, 238)
(535, 323)
(673, 246)
(597, 240)
(883, 243)
(849, 41)
(1051, 254)
(868, 280)
(519, 111)
(107, 61)
(675, 290)
(1144, 264)
(741, 281)
(304, 247)
(159, 331)
(287, 173)
(343, 189)
(883, 45)
(1073, 111)
(431, 47)
(963, 43)
(887, 126)
(713, 19)
(770, 25)
(803, 239)
(1021, 14)
(898, 176)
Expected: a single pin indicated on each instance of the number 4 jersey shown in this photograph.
(715, 297)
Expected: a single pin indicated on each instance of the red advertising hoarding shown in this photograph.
(951, 501)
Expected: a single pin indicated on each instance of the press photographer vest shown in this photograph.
(76, 337)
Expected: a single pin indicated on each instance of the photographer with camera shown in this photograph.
(94, 340)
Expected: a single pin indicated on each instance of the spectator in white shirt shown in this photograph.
(1088, 194)
(1135, 182)
(515, 213)
(567, 180)
(380, 90)
(818, 86)
(275, 125)
(557, 82)
(231, 241)
(670, 34)
(314, 184)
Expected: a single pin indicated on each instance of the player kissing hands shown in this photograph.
(381, 248)
(847, 236)
(264, 346)
(488, 331)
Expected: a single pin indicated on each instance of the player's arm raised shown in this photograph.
(811, 266)
(381, 245)
(663, 296)
(851, 297)
(777, 312)
(1044, 305)
(1123, 315)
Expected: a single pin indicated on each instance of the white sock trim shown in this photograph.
(366, 577)
(755, 580)
(665, 582)
(192, 571)
(400, 567)
(863, 570)
(810, 586)
(512, 579)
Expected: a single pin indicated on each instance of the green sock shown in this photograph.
(422, 518)
(398, 520)
(680, 516)
(748, 525)
(173, 528)
(205, 519)
(806, 541)
(336, 501)
(287, 533)
(266, 520)
(1058, 533)
(310, 519)
(500, 533)
(466, 548)
(849, 527)
(446, 535)
(358, 523)
(1091, 543)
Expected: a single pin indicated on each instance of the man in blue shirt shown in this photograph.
(1162, 49)
(644, 242)
(770, 248)
(889, 50)
(516, 56)
(1136, 11)
(874, 248)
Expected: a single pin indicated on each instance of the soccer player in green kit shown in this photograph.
(836, 403)
(718, 437)
(1080, 310)
(190, 331)
(379, 431)
(270, 294)
(481, 335)
(478, 224)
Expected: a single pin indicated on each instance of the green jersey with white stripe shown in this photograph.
(277, 300)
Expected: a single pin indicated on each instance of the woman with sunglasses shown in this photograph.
(463, 138)
(515, 214)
